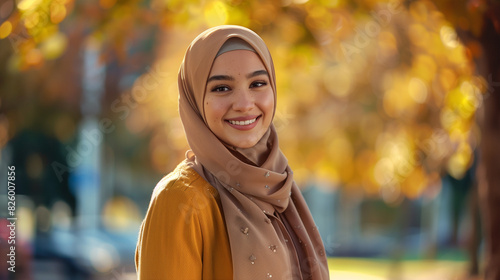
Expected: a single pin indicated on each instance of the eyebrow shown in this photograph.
(220, 78)
(257, 73)
(230, 78)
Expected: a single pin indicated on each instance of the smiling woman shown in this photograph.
(239, 101)
(231, 210)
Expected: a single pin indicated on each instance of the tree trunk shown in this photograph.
(489, 170)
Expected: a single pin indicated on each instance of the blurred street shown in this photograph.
(340, 269)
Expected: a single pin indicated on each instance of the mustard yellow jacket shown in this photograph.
(184, 234)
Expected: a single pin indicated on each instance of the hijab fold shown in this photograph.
(255, 183)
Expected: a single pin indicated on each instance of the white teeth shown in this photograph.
(243, 122)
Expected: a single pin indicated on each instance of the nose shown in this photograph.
(243, 100)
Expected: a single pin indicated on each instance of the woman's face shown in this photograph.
(239, 99)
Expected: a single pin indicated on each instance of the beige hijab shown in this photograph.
(256, 185)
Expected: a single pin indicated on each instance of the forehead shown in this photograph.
(237, 61)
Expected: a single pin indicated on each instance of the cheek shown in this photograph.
(214, 111)
(267, 103)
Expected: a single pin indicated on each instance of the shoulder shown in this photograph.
(184, 185)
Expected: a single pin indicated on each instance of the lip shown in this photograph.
(244, 118)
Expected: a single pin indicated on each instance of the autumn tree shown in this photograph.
(478, 24)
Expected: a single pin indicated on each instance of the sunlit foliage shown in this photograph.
(373, 95)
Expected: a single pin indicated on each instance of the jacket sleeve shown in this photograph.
(170, 244)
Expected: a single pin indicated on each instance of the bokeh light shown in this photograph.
(5, 29)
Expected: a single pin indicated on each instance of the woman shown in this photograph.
(231, 210)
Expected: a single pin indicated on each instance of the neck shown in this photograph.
(255, 155)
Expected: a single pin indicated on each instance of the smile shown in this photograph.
(247, 122)
(243, 123)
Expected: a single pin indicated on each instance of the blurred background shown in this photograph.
(388, 112)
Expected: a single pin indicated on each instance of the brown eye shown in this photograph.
(258, 84)
(220, 89)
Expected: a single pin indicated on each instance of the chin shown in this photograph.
(245, 144)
